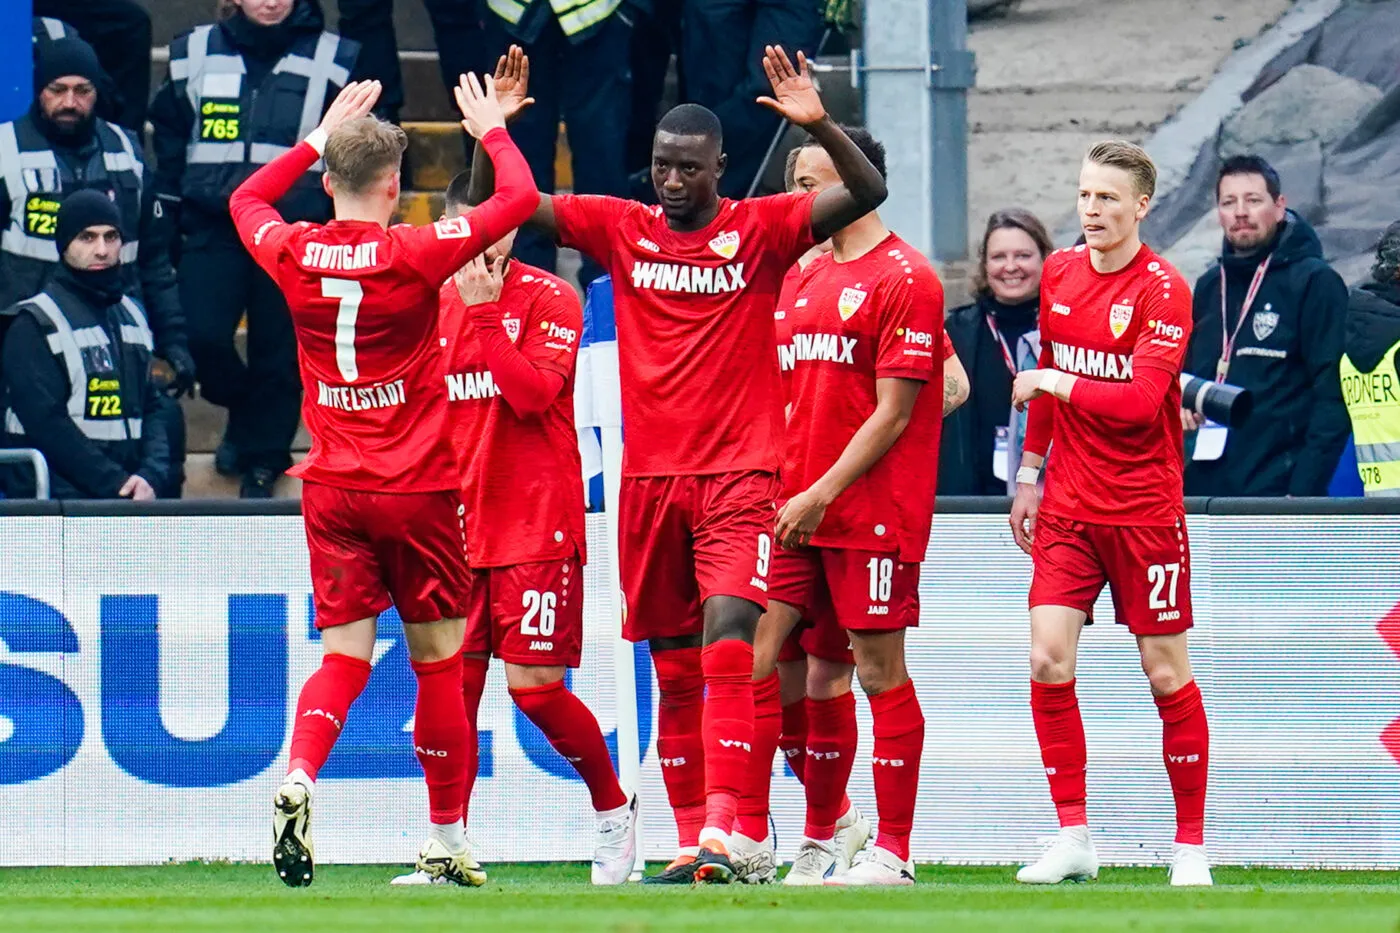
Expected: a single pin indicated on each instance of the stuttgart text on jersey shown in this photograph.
(341, 257)
(357, 398)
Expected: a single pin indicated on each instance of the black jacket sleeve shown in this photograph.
(156, 413)
(39, 395)
(159, 292)
(1322, 314)
(172, 122)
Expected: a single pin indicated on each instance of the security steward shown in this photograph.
(77, 381)
(59, 146)
(1371, 370)
(241, 92)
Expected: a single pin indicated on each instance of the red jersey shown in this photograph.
(521, 477)
(1101, 327)
(364, 303)
(876, 317)
(700, 386)
(782, 326)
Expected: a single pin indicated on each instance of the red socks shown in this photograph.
(1186, 751)
(830, 753)
(573, 731)
(440, 735)
(898, 724)
(793, 740)
(1060, 732)
(321, 709)
(726, 728)
(767, 723)
(678, 742)
(473, 684)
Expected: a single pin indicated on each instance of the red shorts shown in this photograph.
(684, 539)
(1147, 569)
(528, 614)
(842, 589)
(370, 550)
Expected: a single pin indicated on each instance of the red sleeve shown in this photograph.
(441, 248)
(531, 376)
(552, 332)
(588, 222)
(1157, 358)
(787, 223)
(260, 227)
(911, 326)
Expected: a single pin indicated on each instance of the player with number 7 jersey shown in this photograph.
(379, 493)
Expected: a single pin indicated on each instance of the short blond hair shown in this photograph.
(1133, 159)
(362, 151)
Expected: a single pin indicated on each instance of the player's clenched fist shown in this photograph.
(794, 94)
(354, 100)
(481, 110)
(478, 283)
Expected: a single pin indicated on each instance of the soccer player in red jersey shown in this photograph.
(511, 334)
(858, 479)
(1115, 320)
(695, 280)
(380, 492)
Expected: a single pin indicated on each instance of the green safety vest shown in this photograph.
(1373, 402)
(574, 15)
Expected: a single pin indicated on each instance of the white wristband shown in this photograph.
(1028, 476)
(317, 140)
(1049, 379)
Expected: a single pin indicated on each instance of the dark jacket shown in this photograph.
(1286, 356)
(1373, 324)
(268, 108)
(965, 458)
(37, 389)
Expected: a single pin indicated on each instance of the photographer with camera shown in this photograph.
(1267, 319)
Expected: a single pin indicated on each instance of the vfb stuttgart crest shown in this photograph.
(726, 244)
(512, 326)
(850, 302)
(1119, 317)
(1264, 322)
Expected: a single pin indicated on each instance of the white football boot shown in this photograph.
(615, 845)
(292, 853)
(1190, 866)
(815, 861)
(1071, 857)
(874, 866)
(852, 833)
(754, 862)
(439, 865)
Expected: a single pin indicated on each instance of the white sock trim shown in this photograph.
(452, 835)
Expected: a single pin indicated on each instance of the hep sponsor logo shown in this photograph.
(566, 334)
(919, 338)
(1166, 330)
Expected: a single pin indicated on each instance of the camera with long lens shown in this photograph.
(1224, 404)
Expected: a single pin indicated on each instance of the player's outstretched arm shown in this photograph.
(795, 97)
(894, 407)
(512, 83)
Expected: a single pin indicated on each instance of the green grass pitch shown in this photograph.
(194, 898)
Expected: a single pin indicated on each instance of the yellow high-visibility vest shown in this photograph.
(574, 15)
(1373, 402)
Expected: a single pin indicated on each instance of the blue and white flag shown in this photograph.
(597, 391)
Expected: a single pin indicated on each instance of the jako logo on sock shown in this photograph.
(324, 715)
(430, 752)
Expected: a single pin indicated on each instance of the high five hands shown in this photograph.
(481, 110)
(512, 82)
(794, 94)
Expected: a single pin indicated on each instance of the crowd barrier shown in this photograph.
(150, 657)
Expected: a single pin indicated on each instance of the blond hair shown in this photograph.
(362, 151)
(1133, 159)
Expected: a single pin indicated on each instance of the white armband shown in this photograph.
(317, 140)
(1028, 476)
(1049, 379)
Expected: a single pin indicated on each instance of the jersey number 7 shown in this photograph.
(350, 294)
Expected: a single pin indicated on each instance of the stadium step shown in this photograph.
(202, 481)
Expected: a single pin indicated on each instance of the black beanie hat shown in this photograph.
(63, 57)
(83, 209)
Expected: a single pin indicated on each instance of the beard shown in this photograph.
(69, 123)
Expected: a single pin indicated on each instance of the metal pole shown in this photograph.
(36, 461)
(915, 71)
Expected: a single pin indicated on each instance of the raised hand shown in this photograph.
(512, 82)
(794, 94)
(354, 100)
(481, 110)
(479, 284)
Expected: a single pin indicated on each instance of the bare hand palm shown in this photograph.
(794, 93)
(512, 81)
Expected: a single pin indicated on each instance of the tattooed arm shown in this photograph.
(956, 387)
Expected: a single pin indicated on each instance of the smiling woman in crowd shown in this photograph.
(1006, 285)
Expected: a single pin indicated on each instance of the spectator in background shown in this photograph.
(656, 36)
(722, 45)
(120, 32)
(60, 146)
(1269, 319)
(579, 53)
(976, 439)
(1370, 370)
(240, 92)
(77, 371)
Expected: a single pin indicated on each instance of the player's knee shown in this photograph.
(827, 680)
(1051, 664)
(531, 676)
(1163, 676)
(881, 673)
(729, 618)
